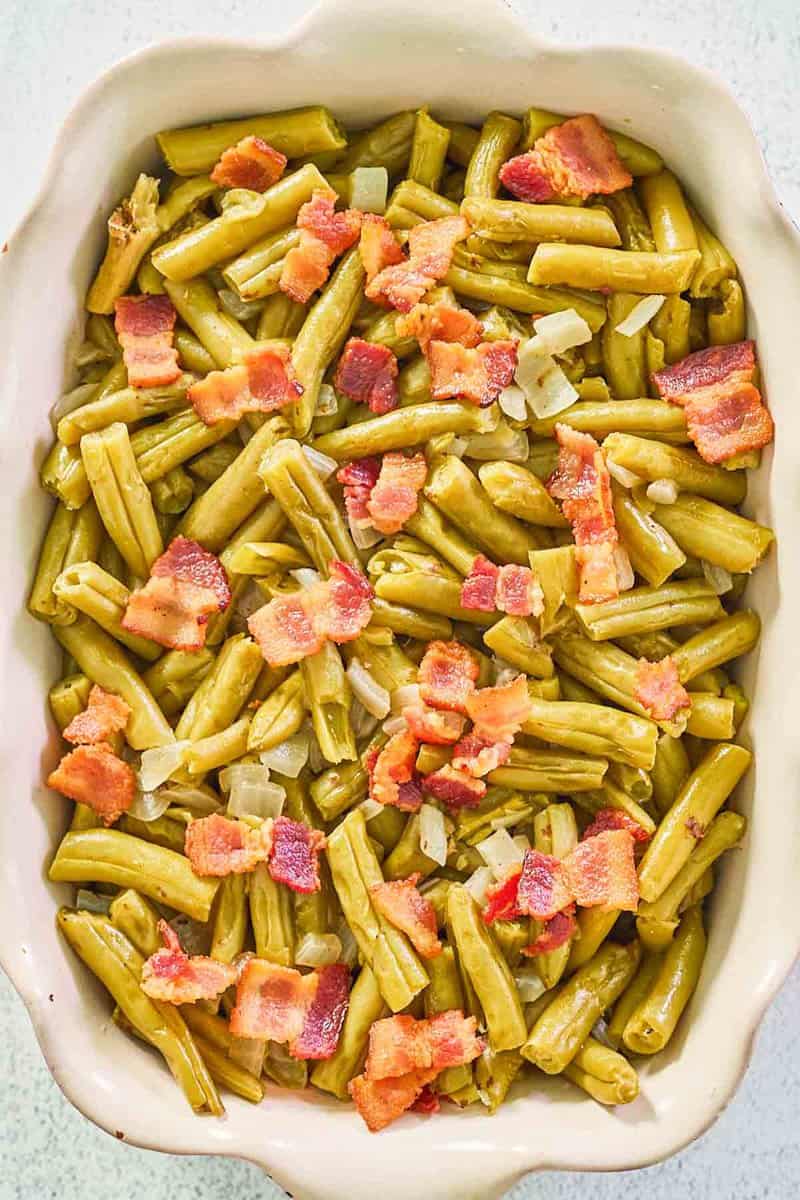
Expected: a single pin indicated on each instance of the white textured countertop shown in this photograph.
(49, 50)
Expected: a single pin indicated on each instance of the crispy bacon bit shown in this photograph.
(695, 828)
(430, 245)
(380, 1102)
(358, 479)
(543, 887)
(519, 592)
(186, 585)
(659, 690)
(217, 845)
(576, 158)
(440, 322)
(427, 1103)
(378, 246)
(324, 234)
(341, 605)
(289, 628)
(582, 482)
(401, 1044)
(615, 818)
(479, 589)
(294, 857)
(478, 375)
(305, 268)
(95, 776)
(284, 631)
(499, 713)
(264, 382)
(174, 976)
(602, 873)
(403, 906)
(479, 756)
(432, 725)
(325, 1014)
(447, 676)
(366, 373)
(502, 899)
(186, 560)
(252, 163)
(144, 326)
(393, 500)
(456, 789)
(725, 414)
(393, 768)
(597, 572)
(272, 1001)
(104, 715)
(558, 930)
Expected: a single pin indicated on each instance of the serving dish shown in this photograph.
(463, 59)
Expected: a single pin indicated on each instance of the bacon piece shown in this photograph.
(186, 585)
(403, 906)
(582, 482)
(502, 899)
(659, 690)
(499, 713)
(144, 326)
(104, 715)
(615, 818)
(725, 414)
(558, 930)
(380, 1102)
(174, 976)
(341, 606)
(264, 382)
(401, 1044)
(478, 375)
(427, 1103)
(519, 592)
(305, 268)
(366, 372)
(695, 828)
(598, 577)
(284, 631)
(325, 1014)
(456, 789)
(186, 560)
(576, 158)
(252, 163)
(294, 857)
(338, 230)
(218, 846)
(395, 766)
(95, 776)
(440, 322)
(479, 589)
(378, 246)
(358, 479)
(453, 1039)
(393, 500)
(272, 1001)
(289, 628)
(479, 756)
(432, 725)
(544, 888)
(602, 872)
(430, 245)
(447, 676)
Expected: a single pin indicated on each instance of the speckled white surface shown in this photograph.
(49, 49)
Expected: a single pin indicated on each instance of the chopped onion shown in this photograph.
(250, 792)
(662, 491)
(508, 821)
(305, 576)
(363, 722)
(405, 697)
(369, 187)
(502, 443)
(318, 950)
(322, 463)
(194, 796)
(623, 476)
(376, 699)
(499, 853)
(288, 757)
(546, 387)
(432, 834)
(719, 579)
(504, 672)
(512, 402)
(457, 446)
(395, 724)
(478, 884)
(194, 936)
(91, 902)
(327, 405)
(640, 315)
(242, 310)
(625, 575)
(559, 332)
(158, 764)
(522, 842)
(529, 984)
(370, 808)
(364, 536)
(249, 1054)
(71, 400)
(149, 806)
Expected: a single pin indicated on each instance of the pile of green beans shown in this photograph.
(132, 467)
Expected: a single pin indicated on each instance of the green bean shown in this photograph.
(430, 526)
(708, 531)
(463, 140)
(328, 698)
(127, 405)
(634, 781)
(280, 317)
(72, 536)
(365, 1008)
(218, 749)
(408, 622)
(256, 273)
(521, 297)
(211, 463)
(432, 593)
(670, 771)
(498, 137)
(192, 354)
(297, 132)
(63, 475)
(594, 267)
(385, 145)
(549, 771)
(613, 795)
(653, 553)
(136, 918)
(164, 831)
(182, 198)
(594, 729)
(176, 676)
(406, 427)
(339, 788)
(513, 221)
(407, 857)
(514, 639)
(230, 919)
(716, 266)
(667, 213)
(727, 322)
(644, 609)
(389, 664)
(422, 201)
(272, 917)
(670, 326)
(624, 357)
(452, 487)
(516, 490)
(594, 926)
(68, 697)
(556, 571)
(604, 1074)
(638, 158)
(634, 993)
(428, 151)
(173, 492)
(281, 714)
(443, 994)
(163, 446)
(132, 229)
(122, 498)
(387, 827)
(92, 591)
(634, 229)
(217, 331)
(653, 1022)
(224, 691)
(710, 717)
(653, 418)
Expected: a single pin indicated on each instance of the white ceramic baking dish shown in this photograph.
(366, 60)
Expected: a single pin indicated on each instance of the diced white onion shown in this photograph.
(625, 575)
(322, 463)
(512, 402)
(159, 763)
(233, 304)
(558, 332)
(370, 808)
(149, 806)
(327, 405)
(499, 853)
(478, 884)
(194, 796)
(522, 842)
(432, 834)
(71, 400)
(546, 387)
(662, 491)
(719, 579)
(250, 792)
(395, 724)
(318, 950)
(369, 187)
(194, 936)
(507, 821)
(623, 476)
(457, 446)
(368, 691)
(363, 722)
(90, 901)
(529, 984)
(502, 443)
(305, 576)
(364, 536)
(249, 1054)
(405, 697)
(288, 757)
(640, 315)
